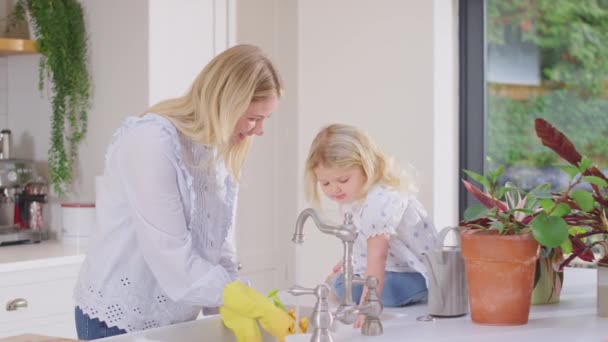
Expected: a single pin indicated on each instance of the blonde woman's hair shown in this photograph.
(345, 146)
(220, 94)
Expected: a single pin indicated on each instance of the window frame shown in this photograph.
(472, 94)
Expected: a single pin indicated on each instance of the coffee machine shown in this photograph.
(22, 197)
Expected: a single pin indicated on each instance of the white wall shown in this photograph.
(3, 91)
(180, 37)
(269, 184)
(371, 64)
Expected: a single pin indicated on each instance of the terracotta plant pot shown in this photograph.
(500, 275)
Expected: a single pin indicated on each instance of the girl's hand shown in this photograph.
(359, 321)
(335, 270)
(338, 267)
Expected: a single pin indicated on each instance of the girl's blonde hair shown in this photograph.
(345, 146)
(220, 94)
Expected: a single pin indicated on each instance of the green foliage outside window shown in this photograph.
(572, 37)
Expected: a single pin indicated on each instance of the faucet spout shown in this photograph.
(298, 235)
(347, 232)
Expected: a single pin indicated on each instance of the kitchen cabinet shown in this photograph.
(36, 291)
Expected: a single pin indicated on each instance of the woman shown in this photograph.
(167, 200)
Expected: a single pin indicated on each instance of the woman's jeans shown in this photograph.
(400, 289)
(92, 329)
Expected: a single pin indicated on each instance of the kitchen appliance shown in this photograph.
(22, 199)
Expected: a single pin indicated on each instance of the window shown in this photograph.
(522, 59)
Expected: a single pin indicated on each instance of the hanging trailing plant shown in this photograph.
(62, 41)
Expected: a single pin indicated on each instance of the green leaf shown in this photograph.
(574, 230)
(504, 216)
(498, 225)
(584, 164)
(493, 176)
(549, 231)
(566, 246)
(561, 210)
(479, 179)
(572, 171)
(541, 191)
(475, 211)
(500, 193)
(583, 199)
(595, 180)
(523, 210)
(546, 204)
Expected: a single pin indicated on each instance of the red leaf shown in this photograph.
(483, 198)
(482, 221)
(580, 249)
(601, 200)
(526, 220)
(557, 141)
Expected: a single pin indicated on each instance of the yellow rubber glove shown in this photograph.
(247, 302)
(303, 321)
(245, 329)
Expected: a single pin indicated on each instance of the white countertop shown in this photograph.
(573, 319)
(35, 255)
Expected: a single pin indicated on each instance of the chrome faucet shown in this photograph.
(322, 319)
(347, 310)
(347, 232)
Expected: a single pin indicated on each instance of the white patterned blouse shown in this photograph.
(403, 218)
(165, 214)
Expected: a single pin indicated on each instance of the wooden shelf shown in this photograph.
(10, 46)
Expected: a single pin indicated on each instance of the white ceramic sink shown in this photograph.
(210, 328)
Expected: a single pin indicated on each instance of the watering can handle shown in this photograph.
(444, 232)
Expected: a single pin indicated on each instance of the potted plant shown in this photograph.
(572, 222)
(61, 38)
(501, 238)
(587, 206)
(584, 207)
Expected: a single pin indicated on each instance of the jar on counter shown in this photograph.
(31, 203)
(78, 221)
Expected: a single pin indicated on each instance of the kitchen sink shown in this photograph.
(210, 328)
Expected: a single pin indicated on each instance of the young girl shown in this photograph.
(393, 226)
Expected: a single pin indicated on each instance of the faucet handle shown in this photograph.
(298, 290)
(372, 326)
(372, 283)
(321, 319)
